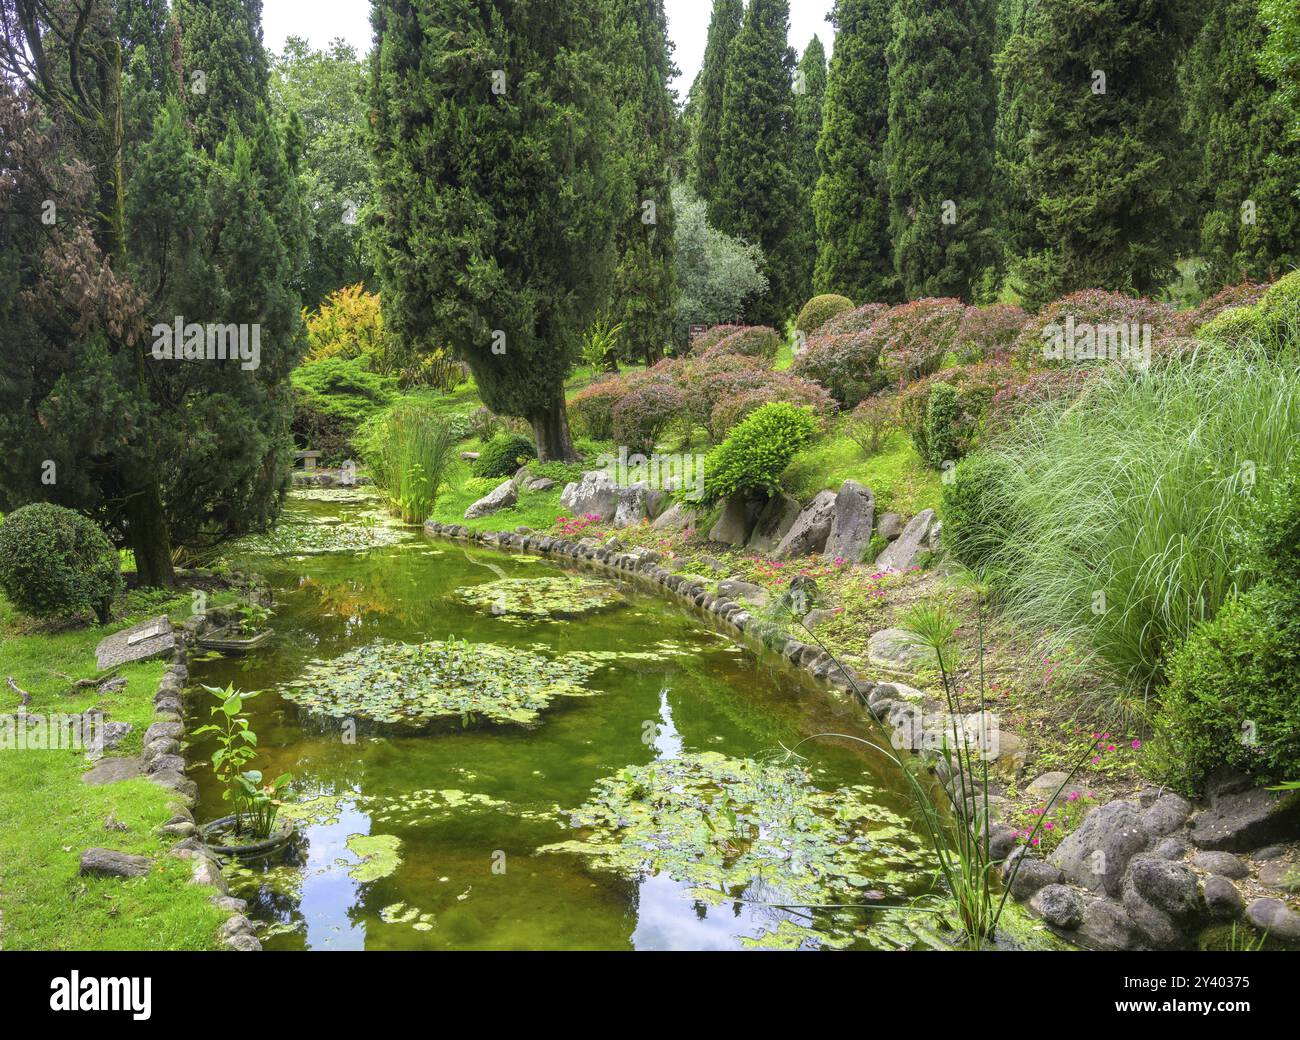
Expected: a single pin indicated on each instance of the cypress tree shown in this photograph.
(224, 65)
(939, 150)
(850, 201)
(757, 193)
(706, 96)
(495, 202)
(809, 99)
(645, 286)
(1100, 162)
(1251, 226)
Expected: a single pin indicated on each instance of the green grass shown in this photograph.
(48, 816)
(902, 483)
(535, 509)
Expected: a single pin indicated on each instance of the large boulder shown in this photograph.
(633, 505)
(808, 534)
(108, 863)
(1097, 852)
(773, 523)
(1163, 901)
(1241, 820)
(904, 551)
(735, 589)
(855, 513)
(732, 527)
(1059, 905)
(595, 495)
(677, 517)
(501, 497)
(1273, 916)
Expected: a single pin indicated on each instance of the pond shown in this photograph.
(641, 799)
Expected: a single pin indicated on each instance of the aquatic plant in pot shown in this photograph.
(254, 828)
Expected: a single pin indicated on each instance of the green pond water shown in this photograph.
(431, 839)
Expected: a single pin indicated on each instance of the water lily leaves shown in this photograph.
(741, 828)
(541, 599)
(415, 685)
(379, 856)
(299, 533)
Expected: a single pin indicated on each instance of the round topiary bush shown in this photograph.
(757, 451)
(55, 562)
(502, 456)
(819, 310)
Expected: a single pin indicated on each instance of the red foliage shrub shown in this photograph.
(916, 336)
(756, 341)
(644, 413)
(1093, 307)
(715, 335)
(1242, 295)
(844, 363)
(779, 386)
(858, 320)
(592, 408)
(988, 331)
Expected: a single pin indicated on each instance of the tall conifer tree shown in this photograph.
(809, 100)
(706, 96)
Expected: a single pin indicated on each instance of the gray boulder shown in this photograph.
(1166, 815)
(889, 526)
(632, 506)
(540, 484)
(855, 512)
(1032, 875)
(677, 517)
(1280, 874)
(732, 527)
(108, 863)
(903, 553)
(1105, 926)
(1096, 854)
(808, 534)
(1170, 887)
(1059, 905)
(894, 649)
(596, 494)
(773, 523)
(1222, 899)
(501, 497)
(1238, 820)
(735, 589)
(1273, 916)
(1223, 863)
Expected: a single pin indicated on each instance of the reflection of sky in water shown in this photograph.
(328, 893)
(668, 742)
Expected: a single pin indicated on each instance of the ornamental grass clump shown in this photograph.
(409, 450)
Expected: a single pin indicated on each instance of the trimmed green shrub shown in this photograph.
(1272, 324)
(757, 451)
(503, 455)
(819, 310)
(1233, 695)
(55, 562)
(332, 398)
(978, 518)
(944, 428)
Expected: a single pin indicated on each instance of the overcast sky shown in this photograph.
(688, 25)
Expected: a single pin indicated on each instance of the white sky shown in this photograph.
(688, 25)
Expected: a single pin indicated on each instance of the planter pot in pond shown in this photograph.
(232, 641)
(220, 837)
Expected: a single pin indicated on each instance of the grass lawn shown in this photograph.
(48, 816)
(901, 481)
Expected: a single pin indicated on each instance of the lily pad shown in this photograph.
(741, 829)
(538, 599)
(379, 856)
(300, 533)
(416, 685)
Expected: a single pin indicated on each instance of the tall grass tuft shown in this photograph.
(1124, 507)
(409, 450)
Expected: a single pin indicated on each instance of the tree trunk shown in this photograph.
(150, 538)
(551, 430)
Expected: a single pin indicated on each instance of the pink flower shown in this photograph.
(1073, 796)
(1136, 744)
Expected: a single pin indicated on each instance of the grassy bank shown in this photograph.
(49, 815)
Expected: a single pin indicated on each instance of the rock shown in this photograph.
(539, 484)
(178, 782)
(207, 871)
(107, 863)
(735, 589)
(677, 517)
(1222, 899)
(1267, 852)
(243, 944)
(1170, 848)
(773, 523)
(632, 508)
(714, 564)
(114, 733)
(169, 730)
(1105, 926)
(177, 830)
(521, 477)
(1096, 854)
(1002, 841)
(855, 512)
(1224, 863)
(1032, 875)
(1279, 874)
(171, 704)
(1166, 814)
(596, 494)
(896, 650)
(1059, 905)
(1008, 749)
(111, 770)
(732, 527)
(811, 528)
(817, 617)
(1272, 916)
(167, 763)
(889, 526)
(902, 554)
(1170, 887)
(159, 748)
(1043, 787)
(229, 903)
(236, 924)
(1238, 820)
(503, 496)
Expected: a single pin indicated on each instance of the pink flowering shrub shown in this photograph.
(572, 526)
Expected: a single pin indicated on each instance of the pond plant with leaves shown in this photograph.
(414, 686)
(542, 599)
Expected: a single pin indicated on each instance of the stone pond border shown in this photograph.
(1144, 898)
